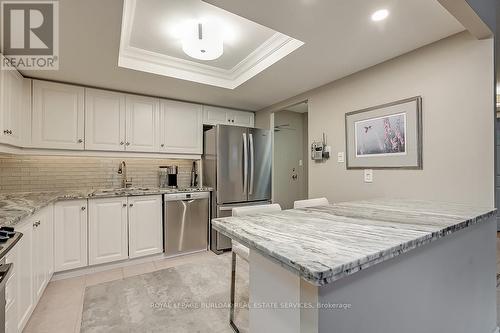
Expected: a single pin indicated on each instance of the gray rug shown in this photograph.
(187, 298)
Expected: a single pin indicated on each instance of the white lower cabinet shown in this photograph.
(11, 294)
(145, 225)
(23, 267)
(107, 230)
(70, 235)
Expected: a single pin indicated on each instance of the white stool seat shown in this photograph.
(241, 250)
(310, 203)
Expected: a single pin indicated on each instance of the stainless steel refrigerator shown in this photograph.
(237, 164)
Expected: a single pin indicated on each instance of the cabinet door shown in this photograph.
(242, 118)
(49, 240)
(181, 127)
(39, 255)
(107, 230)
(145, 225)
(24, 271)
(141, 123)
(12, 106)
(70, 234)
(58, 116)
(104, 120)
(213, 115)
(11, 293)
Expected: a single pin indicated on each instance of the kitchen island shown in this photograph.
(371, 266)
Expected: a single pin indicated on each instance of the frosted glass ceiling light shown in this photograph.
(203, 40)
(380, 15)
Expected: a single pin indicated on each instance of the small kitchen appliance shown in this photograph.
(168, 176)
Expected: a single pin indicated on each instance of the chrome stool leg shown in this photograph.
(231, 304)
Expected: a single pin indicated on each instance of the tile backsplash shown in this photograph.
(20, 173)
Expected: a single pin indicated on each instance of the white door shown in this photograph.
(181, 127)
(242, 118)
(107, 230)
(24, 271)
(141, 123)
(58, 116)
(12, 103)
(49, 240)
(213, 115)
(11, 293)
(39, 254)
(70, 234)
(104, 120)
(145, 225)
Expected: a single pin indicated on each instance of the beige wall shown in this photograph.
(20, 173)
(455, 79)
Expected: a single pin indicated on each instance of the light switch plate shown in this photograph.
(300, 163)
(340, 157)
(368, 175)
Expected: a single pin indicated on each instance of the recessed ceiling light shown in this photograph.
(380, 15)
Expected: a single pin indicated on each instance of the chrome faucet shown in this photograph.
(122, 170)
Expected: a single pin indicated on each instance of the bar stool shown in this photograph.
(242, 251)
(310, 203)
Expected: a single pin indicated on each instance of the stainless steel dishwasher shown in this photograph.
(185, 222)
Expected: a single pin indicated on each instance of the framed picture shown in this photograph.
(385, 136)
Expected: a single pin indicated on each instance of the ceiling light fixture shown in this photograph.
(203, 40)
(380, 15)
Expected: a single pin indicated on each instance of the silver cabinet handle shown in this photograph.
(252, 162)
(5, 131)
(124, 205)
(122, 143)
(127, 144)
(162, 145)
(80, 140)
(83, 208)
(245, 163)
(131, 205)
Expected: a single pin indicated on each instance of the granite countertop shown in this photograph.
(16, 206)
(326, 243)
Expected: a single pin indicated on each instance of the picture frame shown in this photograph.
(387, 136)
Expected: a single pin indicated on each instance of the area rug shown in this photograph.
(183, 299)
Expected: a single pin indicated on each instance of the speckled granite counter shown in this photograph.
(16, 206)
(324, 244)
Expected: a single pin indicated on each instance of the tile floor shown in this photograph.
(60, 308)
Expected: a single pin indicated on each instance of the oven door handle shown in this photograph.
(5, 273)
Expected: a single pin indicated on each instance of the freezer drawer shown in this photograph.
(186, 222)
(220, 242)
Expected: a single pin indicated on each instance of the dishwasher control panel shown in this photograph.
(186, 196)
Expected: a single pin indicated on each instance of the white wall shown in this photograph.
(455, 79)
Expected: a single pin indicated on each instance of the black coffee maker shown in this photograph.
(168, 176)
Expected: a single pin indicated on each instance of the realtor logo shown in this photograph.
(30, 34)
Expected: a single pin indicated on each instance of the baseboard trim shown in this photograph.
(112, 265)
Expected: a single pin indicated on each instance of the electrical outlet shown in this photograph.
(368, 175)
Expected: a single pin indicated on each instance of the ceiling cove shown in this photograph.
(149, 43)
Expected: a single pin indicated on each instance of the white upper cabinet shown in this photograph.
(58, 116)
(108, 232)
(181, 127)
(104, 120)
(142, 123)
(12, 106)
(145, 225)
(213, 115)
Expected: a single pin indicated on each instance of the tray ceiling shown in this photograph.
(150, 42)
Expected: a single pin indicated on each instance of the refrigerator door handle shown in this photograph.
(252, 162)
(245, 164)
